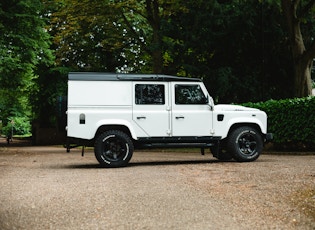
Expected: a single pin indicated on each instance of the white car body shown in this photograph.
(149, 107)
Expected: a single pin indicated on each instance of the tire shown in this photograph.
(245, 144)
(113, 148)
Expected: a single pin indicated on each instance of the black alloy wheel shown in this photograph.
(113, 148)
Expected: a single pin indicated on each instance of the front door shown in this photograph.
(191, 114)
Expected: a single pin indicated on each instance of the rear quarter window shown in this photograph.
(149, 94)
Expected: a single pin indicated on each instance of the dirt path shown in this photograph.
(46, 188)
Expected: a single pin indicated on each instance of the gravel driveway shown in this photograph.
(47, 188)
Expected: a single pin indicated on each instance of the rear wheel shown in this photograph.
(113, 148)
(245, 144)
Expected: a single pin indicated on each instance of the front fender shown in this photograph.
(255, 121)
(223, 127)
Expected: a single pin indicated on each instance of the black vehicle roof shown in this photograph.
(94, 76)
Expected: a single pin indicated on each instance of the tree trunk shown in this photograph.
(152, 8)
(302, 79)
(302, 59)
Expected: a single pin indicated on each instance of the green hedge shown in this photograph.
(292, 121)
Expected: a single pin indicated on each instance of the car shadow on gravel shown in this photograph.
(177, 162)
(153, 163)
(165, 163)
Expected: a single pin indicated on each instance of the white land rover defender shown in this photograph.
(118, 113)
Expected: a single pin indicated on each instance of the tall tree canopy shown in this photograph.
(24, 44)
(92, 35)
(235, 46)
(123, 35)
(240, 48)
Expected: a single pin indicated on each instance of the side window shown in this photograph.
(189, 94)
(149, 94)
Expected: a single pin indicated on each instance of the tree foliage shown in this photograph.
(235, 46)
(243, 50)
(24, 44)
(220, 42)
(121, 35)
(92, 38)
(240, 48)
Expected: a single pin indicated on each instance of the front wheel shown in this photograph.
(113, 149)
(245, 144)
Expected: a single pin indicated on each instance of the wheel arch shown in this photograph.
(104, 128)
(237, 125)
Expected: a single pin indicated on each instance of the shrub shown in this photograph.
(21, 126)
(292, 121)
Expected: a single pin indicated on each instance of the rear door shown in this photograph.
(151, 108)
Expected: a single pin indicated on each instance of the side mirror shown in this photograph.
(210, 102)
